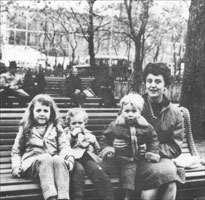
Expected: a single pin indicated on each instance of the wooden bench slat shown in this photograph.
(98, 121)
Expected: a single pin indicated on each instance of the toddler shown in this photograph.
(85, 150)
(129, 131)
(41, 149)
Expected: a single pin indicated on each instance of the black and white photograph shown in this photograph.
(102, 99)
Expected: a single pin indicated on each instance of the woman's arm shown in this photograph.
(173, 148)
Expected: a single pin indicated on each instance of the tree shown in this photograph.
(193, 88)
(137, 33)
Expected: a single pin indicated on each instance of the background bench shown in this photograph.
(56, 87)
(19, 188)
(65, 102)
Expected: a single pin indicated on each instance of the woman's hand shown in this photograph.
(119, 143)
(16, 171)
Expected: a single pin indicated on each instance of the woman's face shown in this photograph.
(41, 113)
(155, 87)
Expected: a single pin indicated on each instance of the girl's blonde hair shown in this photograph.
(135, 99)
(28, 120)
(75, 111)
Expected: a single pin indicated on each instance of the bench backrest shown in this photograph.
(98, 121)
(55, 86)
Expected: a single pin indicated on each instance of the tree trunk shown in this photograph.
(193, 88)
(91, 34)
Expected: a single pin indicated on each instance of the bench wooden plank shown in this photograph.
(98, 120)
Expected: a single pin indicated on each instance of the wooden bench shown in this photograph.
(65, 102)
(20, 189)
(55, 86)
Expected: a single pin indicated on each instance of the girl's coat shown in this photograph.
(26, 147)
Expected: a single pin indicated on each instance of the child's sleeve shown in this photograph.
(96, 145)
(106, 141)
(63, 143)
(18, 149)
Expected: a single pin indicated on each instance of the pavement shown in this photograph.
(200, 145)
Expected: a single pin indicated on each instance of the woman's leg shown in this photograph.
(169, 191)
(62, 177)
(149, 194)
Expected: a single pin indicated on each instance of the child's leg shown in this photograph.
(43, 168)
(78, 181)
(128, 173)
(100, 179)
(62, 177)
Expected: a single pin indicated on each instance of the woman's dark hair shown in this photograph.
(157, 69)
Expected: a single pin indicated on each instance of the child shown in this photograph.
(85, 150)
(41, 149)
(131, 128)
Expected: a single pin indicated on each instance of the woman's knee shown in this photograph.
(149, 194)
(171, 188)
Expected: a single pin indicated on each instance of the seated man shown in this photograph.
(10, 84)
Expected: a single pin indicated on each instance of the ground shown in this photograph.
(200, 145)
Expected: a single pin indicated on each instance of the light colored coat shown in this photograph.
(85, 142)
(26, 148)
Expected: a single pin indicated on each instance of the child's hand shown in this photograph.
(16, 172)
(91, 139)
(70, 161)
(152, 157)
(76, 131)
(110, 155)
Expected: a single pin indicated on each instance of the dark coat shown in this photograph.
(73, 83)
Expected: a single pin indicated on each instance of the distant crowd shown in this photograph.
(24, 84)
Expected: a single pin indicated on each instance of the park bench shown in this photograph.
(23, 189)
(65, 102)
(55, 86)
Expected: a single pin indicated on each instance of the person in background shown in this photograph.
(135, 131)
(11, 84)
(103, 87)
(28, 83)
(2, 65)
(41, 149)
(74, 88)
(40, 81)
(86, 152)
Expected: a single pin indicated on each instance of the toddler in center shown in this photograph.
(85, 149)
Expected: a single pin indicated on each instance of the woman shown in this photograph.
(159, 179)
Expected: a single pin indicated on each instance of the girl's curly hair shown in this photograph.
(28, 120)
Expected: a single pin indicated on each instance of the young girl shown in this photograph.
(41, 149)
(133, 130)
(85, 150)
